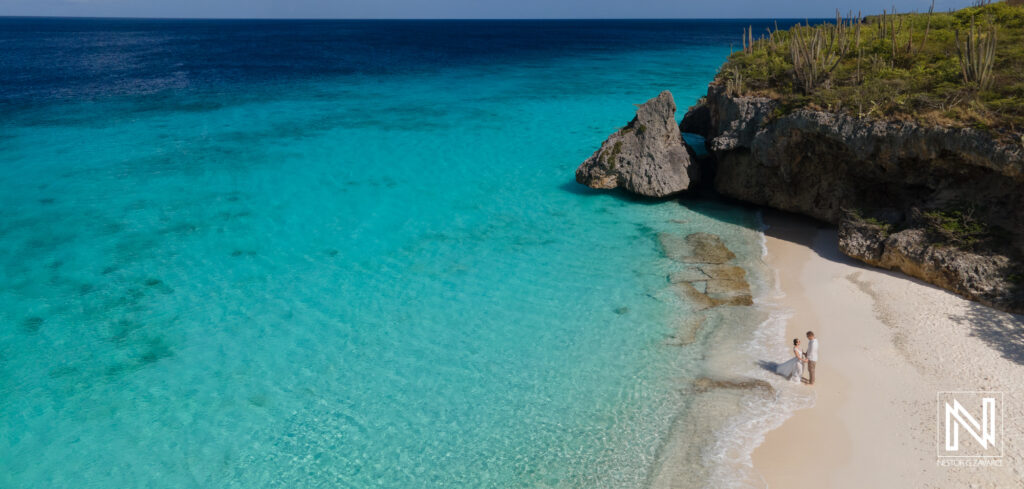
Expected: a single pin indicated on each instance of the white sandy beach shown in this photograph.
(888, 344)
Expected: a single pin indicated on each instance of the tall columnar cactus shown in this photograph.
(748, 40)
(817, 51)
(734, 84)
(977, 54)
(927, 28)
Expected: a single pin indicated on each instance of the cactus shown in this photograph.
(748, 40)
(734, 84)
(817, 51)
(977, 54)
(927, 28)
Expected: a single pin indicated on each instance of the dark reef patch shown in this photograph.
(62, 371)
(156, 349)
(121, 329)
(180, 228)
(258, 400)
(32, 324)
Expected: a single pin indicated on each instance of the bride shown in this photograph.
(794, 368)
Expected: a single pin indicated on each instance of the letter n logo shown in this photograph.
(978, 414)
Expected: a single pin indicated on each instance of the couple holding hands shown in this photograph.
(794, 368)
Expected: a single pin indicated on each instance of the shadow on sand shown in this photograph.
(773, 368)
(769, 366)
(1001, 331)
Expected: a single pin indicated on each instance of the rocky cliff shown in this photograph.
(646, 157)
(938, 203)
(942, 204)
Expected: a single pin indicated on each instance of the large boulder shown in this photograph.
(646, 157)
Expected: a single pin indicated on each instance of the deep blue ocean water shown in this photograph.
(338, 253)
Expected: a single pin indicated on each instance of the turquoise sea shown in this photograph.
(342, 254)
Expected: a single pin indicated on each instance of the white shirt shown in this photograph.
(812, 350)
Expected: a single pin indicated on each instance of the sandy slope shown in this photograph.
(888, 344)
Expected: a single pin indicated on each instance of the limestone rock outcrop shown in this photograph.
(987, 277)
(831, 165)
(646, 157)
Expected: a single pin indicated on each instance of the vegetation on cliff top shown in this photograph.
(956, 226)
(963, 68)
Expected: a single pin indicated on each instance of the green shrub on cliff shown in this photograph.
(956, 227)
(964, 68)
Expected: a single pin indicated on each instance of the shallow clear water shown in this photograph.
(272, 254)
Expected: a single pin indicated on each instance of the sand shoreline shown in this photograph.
(888, 345)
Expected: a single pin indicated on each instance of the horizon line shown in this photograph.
(413, 19)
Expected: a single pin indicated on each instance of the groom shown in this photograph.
(811, 354)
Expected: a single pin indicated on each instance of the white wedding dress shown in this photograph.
(794, 368)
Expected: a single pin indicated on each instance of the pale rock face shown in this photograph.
(646, 157)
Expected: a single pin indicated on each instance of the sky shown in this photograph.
(457, 9)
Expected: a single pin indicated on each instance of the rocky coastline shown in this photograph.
(646, 157)
(942, 204)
